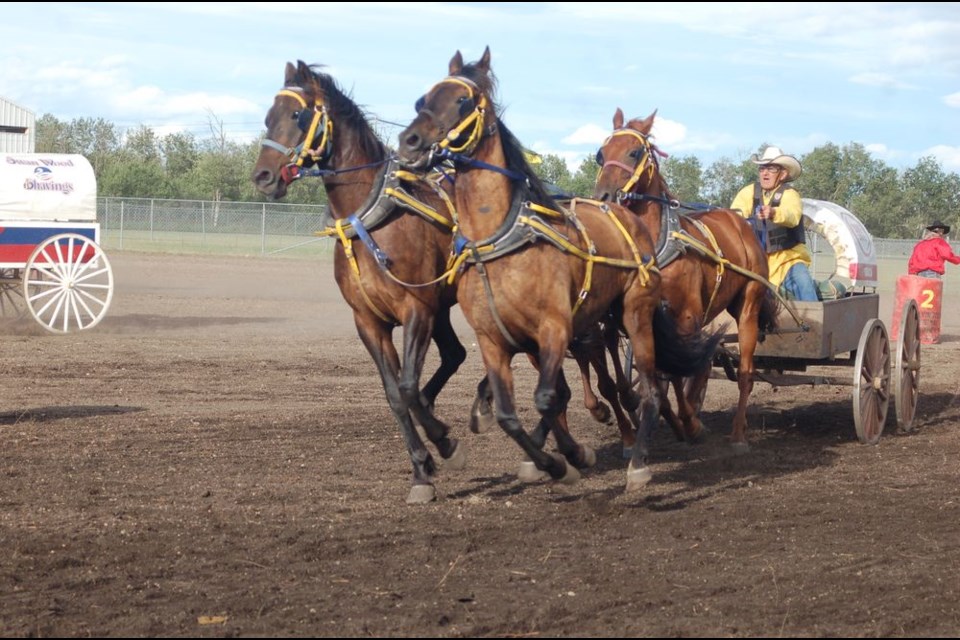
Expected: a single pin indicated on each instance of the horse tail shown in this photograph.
(769, 310)
(681, 354)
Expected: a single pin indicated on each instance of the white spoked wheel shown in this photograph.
(67, 283)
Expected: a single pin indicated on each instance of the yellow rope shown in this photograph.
(347, 245)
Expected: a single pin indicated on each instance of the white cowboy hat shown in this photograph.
(773, 155)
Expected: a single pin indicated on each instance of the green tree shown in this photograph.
(722, 180)
(584, 180)
(684, 176)
(553, 169)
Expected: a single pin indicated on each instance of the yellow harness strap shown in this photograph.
(347, 244)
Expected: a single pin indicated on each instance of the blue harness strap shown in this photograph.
(370, 243)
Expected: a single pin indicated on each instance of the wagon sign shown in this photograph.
(50, 258)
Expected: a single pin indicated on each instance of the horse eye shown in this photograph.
(422, 100)
(600, 157)
(635, 154)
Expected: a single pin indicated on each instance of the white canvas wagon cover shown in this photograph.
(851, 242)
(47, 186)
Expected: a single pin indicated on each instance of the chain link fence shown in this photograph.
(250, 228)
(196, 226)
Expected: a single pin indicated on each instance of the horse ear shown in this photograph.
(484, 63)
(644, 126)
(456, 63)
(289, 74)
(618, 119)
(303, 69)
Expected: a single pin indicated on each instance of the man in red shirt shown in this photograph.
(930, 253)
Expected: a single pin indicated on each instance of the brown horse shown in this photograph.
(387, 279)
(706, 259)
(532, 277)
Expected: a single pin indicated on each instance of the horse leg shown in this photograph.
(693, 390)
(600, 411)
(375, 336)
(609, 389)
(579, 456)
(500, 379)
(452, 355)
(747, 335)
(416, 340)
(618, 390)
(666, 409)
(481, 413)
(638, 323)
(552, 395)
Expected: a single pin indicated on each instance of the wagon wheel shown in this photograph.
(906, 377)
(67, 283)
(871, 382)
(11, 293)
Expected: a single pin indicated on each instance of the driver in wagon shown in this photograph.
(777, 216)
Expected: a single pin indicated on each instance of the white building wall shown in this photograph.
(13, 115)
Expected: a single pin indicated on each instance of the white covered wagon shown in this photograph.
(842, 330)
(50, 256)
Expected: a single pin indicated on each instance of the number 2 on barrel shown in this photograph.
(928, 296)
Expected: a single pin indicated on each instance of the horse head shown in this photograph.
(628, 160)
(453, 117)
(299, 132)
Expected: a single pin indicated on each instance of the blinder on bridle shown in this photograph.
(304, 118)
(317, 127)
(467, 104)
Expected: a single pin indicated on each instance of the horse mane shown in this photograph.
(347, 113)
(516, 158)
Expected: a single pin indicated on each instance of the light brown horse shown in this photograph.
(386, 278)
(705, 259)
(534, 277)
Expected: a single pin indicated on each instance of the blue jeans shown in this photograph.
(799, 284)
(929, 273)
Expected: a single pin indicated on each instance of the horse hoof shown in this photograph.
(572, 476)
(458, 458)
(589, 457)
(421, 494)
(482, 421)
(699, 437)
(529, 473)
(638, 478)
(740, 447)
(602, 414)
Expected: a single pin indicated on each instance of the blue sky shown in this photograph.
(724, 78)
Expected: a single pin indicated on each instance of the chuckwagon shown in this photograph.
(842, 330)
(51, 262)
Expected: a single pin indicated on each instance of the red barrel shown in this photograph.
(927, 293)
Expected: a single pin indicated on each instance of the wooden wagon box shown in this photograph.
(835, 327)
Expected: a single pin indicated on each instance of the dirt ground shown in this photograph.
(216, 459)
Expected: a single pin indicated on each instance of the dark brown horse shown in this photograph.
(387, 279)
(706, 259)
(534, 277)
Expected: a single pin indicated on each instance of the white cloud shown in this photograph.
(952, 100)
(587, 134)
(668, 132)
(882, 80)
(948, 156)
